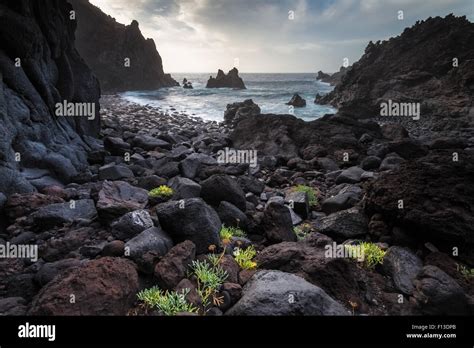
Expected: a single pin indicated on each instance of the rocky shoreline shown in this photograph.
(144, 211)
(105, 237)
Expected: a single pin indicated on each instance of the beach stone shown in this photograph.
(115, 172)
(131, 224)
(118, 198)
(173, 267)
(190, 219)
(343, 225)
(184, 188)
(402, 266)
(62, 213)
(146, 246)
(106, 286)
(221, 187)
(280, 287)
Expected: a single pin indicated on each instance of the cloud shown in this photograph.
(204, 35)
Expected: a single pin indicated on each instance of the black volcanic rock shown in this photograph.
(105, 44)
(332, 79)
(231, 80)
(287, 136)
(438, 200)
(297, 101)
(39, 36)
(416, 66)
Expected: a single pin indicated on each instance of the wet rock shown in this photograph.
(184, 188)
(131, 224)
(118, 198)
(191, 219)
(289, 294)
(220, 188)
(402, 266)
(149, 244)
(63, 213)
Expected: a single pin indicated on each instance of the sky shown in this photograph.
(271, 36)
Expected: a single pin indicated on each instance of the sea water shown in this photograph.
(269, 91)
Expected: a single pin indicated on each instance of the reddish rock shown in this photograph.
(114, 248)
(234, 290)
(173, 266)
(192, 296)
(245, 275)
(24, 204)
(232, 268)
(106, 286)
(118, 198)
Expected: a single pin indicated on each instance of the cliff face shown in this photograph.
(40, 68)
(105, 45)
(431, 63)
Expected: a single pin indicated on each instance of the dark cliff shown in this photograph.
(431, 63)
(40, 67)
(105, 44)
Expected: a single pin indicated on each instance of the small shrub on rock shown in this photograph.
(372, 254)
(302, 231)
(244, 257)
(210, 277)
(227, 233)
(168, 302)
(161, 192)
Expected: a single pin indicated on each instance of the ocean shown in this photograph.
(269, 91)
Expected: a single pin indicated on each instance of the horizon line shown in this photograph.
(245, 72)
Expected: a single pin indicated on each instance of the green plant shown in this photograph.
(312, 195)
(372, 254)
(302, 231)
(210, 277)
(215, 259)
(163, 192)
(244, 257)
(227, 233)
(170, 303)
(465, 272)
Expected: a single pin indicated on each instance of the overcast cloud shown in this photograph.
(204, 35)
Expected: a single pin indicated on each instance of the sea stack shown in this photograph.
(231, 80)
(297, 101)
